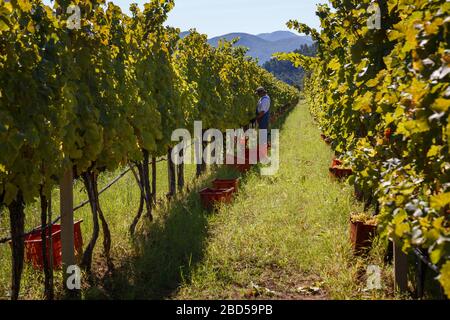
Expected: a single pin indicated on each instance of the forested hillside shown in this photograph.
(286, 71)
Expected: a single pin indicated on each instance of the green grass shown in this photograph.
(287, 231)
(281, 233)
(119, 204)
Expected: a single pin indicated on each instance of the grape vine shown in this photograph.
(105, 95)
(382, 96)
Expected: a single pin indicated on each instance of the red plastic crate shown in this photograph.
(244, 165)
(262, 153)
(336, 163)
(226, 184)
(340, 173)
(361, 235)
(211, 197)
(241, 167)
(33, 246)
(243, 141)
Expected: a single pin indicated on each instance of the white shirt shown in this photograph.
(264, 104)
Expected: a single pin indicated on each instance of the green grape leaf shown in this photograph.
(10, 192)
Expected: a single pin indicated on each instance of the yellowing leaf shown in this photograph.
(25, 5)
(441, 105)
(395, 34)
(432, 28)
(436, 255)
(372, 83)
(444, 278)
(434, 151)
(440, 201)
(30, 27)
(418, 90)
(448, 132)
(410, 127)
(401, 229)
(411, 39)
(334, 64)
(437, 223)
(3, 26)
(8, 7)
(389, 118)
(364, 103)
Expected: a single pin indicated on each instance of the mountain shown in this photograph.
(277, 35)
(184, 34)
(286, 71)
(263, 46)
(245, 39)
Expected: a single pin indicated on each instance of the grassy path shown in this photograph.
(285, 236)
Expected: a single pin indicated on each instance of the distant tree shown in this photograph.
(285, 70)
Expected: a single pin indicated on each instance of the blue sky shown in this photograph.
(218, 17)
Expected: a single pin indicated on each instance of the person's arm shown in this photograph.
(265, 105)
(260, 115)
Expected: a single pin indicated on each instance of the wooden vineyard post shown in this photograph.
(171, 174)
(67, 232)
(180, 174)
(198, 158)
(154, 179)
(400, 269)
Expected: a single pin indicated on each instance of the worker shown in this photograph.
(263, 118)
(263, 109)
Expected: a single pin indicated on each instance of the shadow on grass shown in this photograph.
(167, 250)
